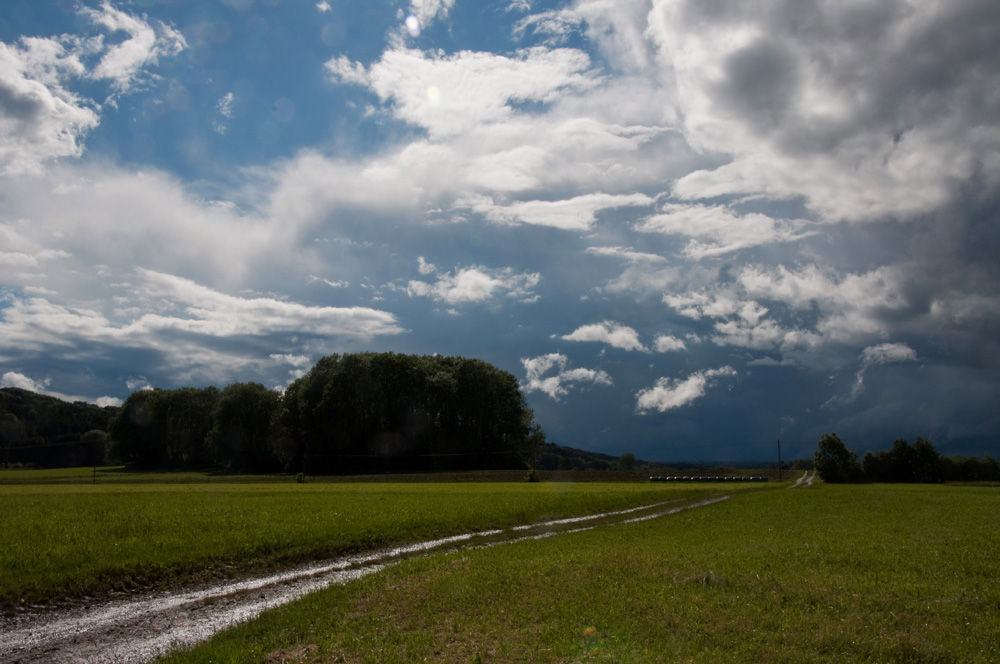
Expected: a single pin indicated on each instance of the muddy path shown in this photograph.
(141, 629)
(805, 480)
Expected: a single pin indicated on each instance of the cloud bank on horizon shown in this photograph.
(688, 227)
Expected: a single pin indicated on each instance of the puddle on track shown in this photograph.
(139, 630)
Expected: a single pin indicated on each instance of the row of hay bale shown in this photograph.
(707, 478)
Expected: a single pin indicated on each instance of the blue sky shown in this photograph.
(689, 228)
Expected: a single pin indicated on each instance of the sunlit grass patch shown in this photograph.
(70, 539)
(829, 574)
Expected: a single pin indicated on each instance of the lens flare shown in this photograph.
(413, 25)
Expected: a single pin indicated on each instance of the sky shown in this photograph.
(689, 228)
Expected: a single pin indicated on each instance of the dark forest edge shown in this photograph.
(364, 412)
(903, 462)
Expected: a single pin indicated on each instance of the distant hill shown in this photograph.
(45, 431)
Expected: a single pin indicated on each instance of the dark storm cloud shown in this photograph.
(761, 81)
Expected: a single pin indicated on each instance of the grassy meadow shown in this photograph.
(863, 573)
(69, 538)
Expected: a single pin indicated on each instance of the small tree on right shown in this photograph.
(834, 462)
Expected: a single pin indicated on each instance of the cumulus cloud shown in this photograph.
(665, 343)
(213, 313)
(668, 393)
(477, 284)
(14, 379)
(614, 334)
(294, 360)
(576, 214)
(194, 329)
(89, 214)
(41, 117)
(451, 94)
(124, 61)
(19, 380)
(715, 230)
(852, 307)
(425, 268)
(428, 10)
(563, 380)
(826, 98)
(843, 309)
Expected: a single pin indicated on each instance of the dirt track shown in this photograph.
(141, 629)
(805, 480)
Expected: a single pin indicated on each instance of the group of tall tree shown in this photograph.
(363, 412)
(41, 430)
(903, 462)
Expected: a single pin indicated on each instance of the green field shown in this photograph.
(869, 573)
(71, 539)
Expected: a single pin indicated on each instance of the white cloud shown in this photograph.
(14, 379)
(454, 94)
(668, 394)
(428, 10)
(323, 6)
(828, 98)
(614, 334)
(852, 307)
(41, 118)
(617, 28)
(576, 214)
(225, 105)
(843, 309)
(329, 282)
(197, 331)
(715, 230)
(626, 253)
(86, 217)
(225, 108)
(763, 335)
(124, 61)
(559, 384)
(294, 360)
(887, 354)
(665, 343)
(19, 380)
(213, 313)
(476, 284)
(134, 383)
(424, 267)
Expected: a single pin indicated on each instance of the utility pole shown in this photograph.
(779, 459)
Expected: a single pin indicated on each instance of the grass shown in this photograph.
(119, 475)
(71, 539)
(875, 573)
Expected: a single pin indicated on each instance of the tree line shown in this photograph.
(362, 412)
(41, 430)
(903, 462)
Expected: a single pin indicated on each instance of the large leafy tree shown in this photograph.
(385, 411)
(834, 462)
(242, 435)
(165, 428)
